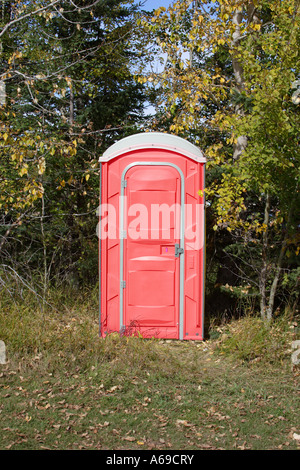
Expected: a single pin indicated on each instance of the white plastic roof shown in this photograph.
(158, 140)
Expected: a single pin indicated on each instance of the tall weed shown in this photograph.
(250, 339)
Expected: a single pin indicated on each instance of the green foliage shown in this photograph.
(74, 88)
(227, 85)
(70, 93)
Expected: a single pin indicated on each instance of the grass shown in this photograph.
(65, 388)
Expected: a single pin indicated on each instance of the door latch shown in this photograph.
(178, 250)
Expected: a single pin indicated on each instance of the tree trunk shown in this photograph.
(45, 276)
(2, 93)
(71, 120)
(241, 143)
(269, 311)
(263, 272)
(2, 83)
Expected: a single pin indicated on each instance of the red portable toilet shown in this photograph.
(151, 237)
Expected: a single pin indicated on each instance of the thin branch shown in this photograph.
(4, 238)
(23, 282)
(16, 20)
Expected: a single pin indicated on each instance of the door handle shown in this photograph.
(178, 250)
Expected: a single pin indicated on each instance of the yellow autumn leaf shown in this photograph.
(23, 171)
(42, 166)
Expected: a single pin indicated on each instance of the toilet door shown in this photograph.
(152, 222)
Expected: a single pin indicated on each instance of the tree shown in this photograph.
(70, 92)
(244, 104)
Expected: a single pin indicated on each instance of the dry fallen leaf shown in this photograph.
(183, 422)
(129, 438)
(104, 425)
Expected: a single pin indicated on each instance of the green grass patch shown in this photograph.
(65, 388)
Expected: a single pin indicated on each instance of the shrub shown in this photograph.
(250, 339)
